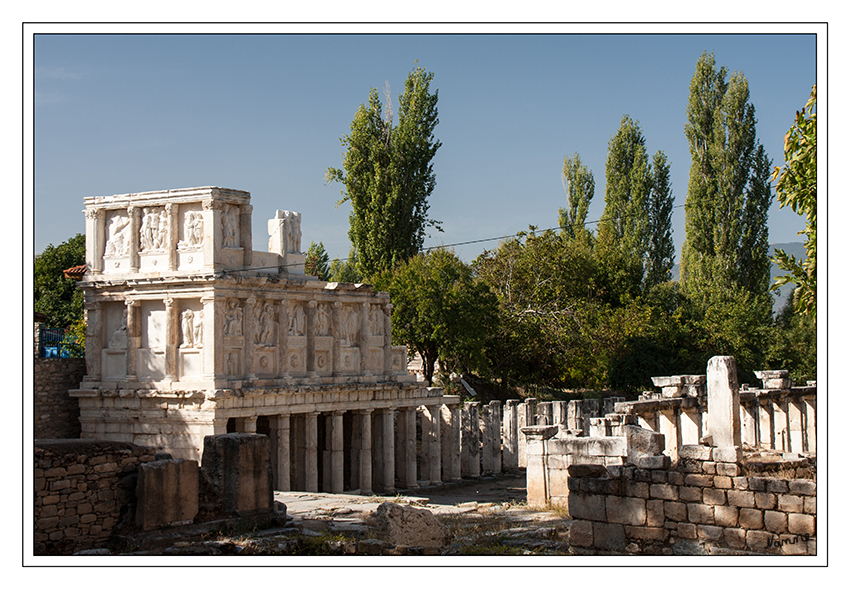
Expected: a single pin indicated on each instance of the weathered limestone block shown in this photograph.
(774, 379)
(238, 468)
(166, 493)
(406, 525)
(641, 442)
(470, 441)
(724, 407)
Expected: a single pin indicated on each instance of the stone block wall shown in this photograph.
(706, 505)
(81, 488)
(55, 412)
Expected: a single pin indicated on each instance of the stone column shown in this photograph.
(668, 425)
(248, 331)
(280, 451)
(172, 335)
(219, 426)
(311, 337)
(245, 234)
(780, 423)
(94, 341)
(690, 426)
(537, 487)
(810, 410)
(470, 442)
(450, 442)
(248, 425)
(510, 457)
(496, 434)
(433, 421)
(388, 482)
(765, 415)
(388, 342)
(171, 236)
(95, 239)
(365, 416)
(337, 456)
(133, 336)
(795, 425)
(311, 449)
(525, 418)
(724, 411)
(407, 450)
(133, 233)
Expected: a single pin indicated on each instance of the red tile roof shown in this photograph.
(75, 273)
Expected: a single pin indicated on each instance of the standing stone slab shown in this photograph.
(724, 406)
(238, 468)
(166, 493)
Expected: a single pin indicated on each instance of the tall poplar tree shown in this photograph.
(635, 233)
(728, 190)
(387, 175)
(579, 186)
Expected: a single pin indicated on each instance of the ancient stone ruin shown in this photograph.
(193, 333)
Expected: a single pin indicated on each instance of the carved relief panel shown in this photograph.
(190, 236)
(190, 353)
(114, 361)
(151, 352)
(118, 237)
(265, 338)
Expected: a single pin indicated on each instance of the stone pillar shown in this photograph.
(496, 434)
(450, 442)
(210, 330)
(365, 416)
(248, 330)
(668, 425)
(780, 423)
(510, 456)
(171, 237)
(388, 482)
(388, 342)
(133, 234)
(337, 455)
(525, 418)
(213, 237)
(247, 425)
(172, 331)
(765, 416)
(95, 240)
(749, 424)
(94, 341)
(407, 451)
(280, 451)
(795, 425)
(219, 426)
(470, 444)
(559, 414)
(283, 338)
(365, 333)
(133, 336)
(245, 234)
(810, 409)
(690, 426)
(311, 456)
(433, 420)
(311, 337)
(335, 330)
(486, 439)
(537, 487)
(724, 412)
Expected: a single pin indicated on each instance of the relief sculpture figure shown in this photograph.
(188, 328)
(118, 244)
(265, 325)
(322, 320)
(230, 227)
(233, 318)
(118, 340)
(297, 321)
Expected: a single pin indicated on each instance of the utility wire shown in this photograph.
(460, 243)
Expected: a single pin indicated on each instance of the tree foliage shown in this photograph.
(440, 311)
(316, 263)
(345, 270)
(796, 186)
(661, 252)
(55, 295)
(579, 186)
(387, 174)
(726, 243)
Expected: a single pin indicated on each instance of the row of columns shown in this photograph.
(371, 448)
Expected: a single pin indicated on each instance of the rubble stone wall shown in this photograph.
(706, 505)
(81, 488)
(56, 414)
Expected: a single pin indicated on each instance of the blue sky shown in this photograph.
(264, 113)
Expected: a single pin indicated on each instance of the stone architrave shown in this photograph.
(724, 406)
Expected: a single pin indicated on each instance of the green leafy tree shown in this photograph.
(660, 249)
(344, 270)
(796, 186)
(728, 191)
(440, 311)
(55, 295)
(387, 174)
(579, 186)
(794, 344)
(316, 262)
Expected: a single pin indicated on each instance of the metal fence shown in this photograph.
(59, 343)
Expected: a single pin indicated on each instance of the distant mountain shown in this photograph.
(796, 249)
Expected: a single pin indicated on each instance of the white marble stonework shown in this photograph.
(191, 333)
